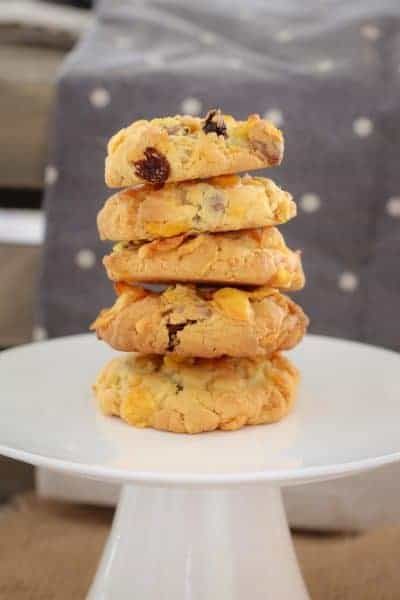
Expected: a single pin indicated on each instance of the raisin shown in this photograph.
(214, 123)
(173, 329)
(154, 167)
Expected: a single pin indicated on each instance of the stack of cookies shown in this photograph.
(207, 348)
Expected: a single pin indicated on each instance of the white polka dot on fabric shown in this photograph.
(99, 97)
(154, 60)
(348, 281)
(284, 36)
(209, 38)
(235, 62)
(274, 115)
(324, 66)
(50, 175)
(363, 127)
(123, 42)
(39, 333)
(310, 203)
(245, 13)
(370, 32)
(85, 258)
(393, 207)
(191, 106)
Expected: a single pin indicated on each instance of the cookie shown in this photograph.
(248, 257)
(227, 203)
(180, 148)
(196, 395)
(191, 321)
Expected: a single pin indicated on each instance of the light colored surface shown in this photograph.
(174, 532)
(21, 226)
(69, 488)
(35, 13)
(31, 530)
(199, 544)
(363, 502)
(27, 79)
(358, 503)
(338, 427)
(19, 270)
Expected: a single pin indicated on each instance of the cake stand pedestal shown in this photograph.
(199, 544)
(201, 517)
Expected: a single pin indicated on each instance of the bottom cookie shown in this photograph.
(195, 395)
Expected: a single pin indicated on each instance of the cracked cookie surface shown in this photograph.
(196, 395)
(190, 321)
(181, 148)
(226, 203)
(248, 257)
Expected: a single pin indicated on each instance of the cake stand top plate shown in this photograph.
(346, 420)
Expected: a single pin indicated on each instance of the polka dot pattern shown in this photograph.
(85, 258)
(100, 97)
(310, 203)
(154, 60)
(393, 207)
(123, 42)
(370, 32)
(39, 333)
(245, 13)
(50, 175)
(208, 38)
(191, 106)
(235, 62)
(284, 36)
(275, 116)
(363, 127)
(298, 69)
(324, 66)
(348, 281)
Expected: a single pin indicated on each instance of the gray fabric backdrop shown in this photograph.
(327, 71)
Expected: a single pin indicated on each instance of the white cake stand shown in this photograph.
(201, 517)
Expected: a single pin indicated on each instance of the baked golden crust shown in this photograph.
(181, 148)
(196, 395)
(247, 257)
(227, 203)
(191, 321)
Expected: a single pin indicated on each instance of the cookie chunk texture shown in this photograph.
(196, 395)
(207, 323)
(226, 203)
(181, 148)
(248, 257)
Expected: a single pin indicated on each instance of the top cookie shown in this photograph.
(179, 148)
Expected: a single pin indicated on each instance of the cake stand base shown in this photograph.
(201, 517)
(225, 543)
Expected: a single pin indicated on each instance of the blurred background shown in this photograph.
(326, 71)
(35, 38)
